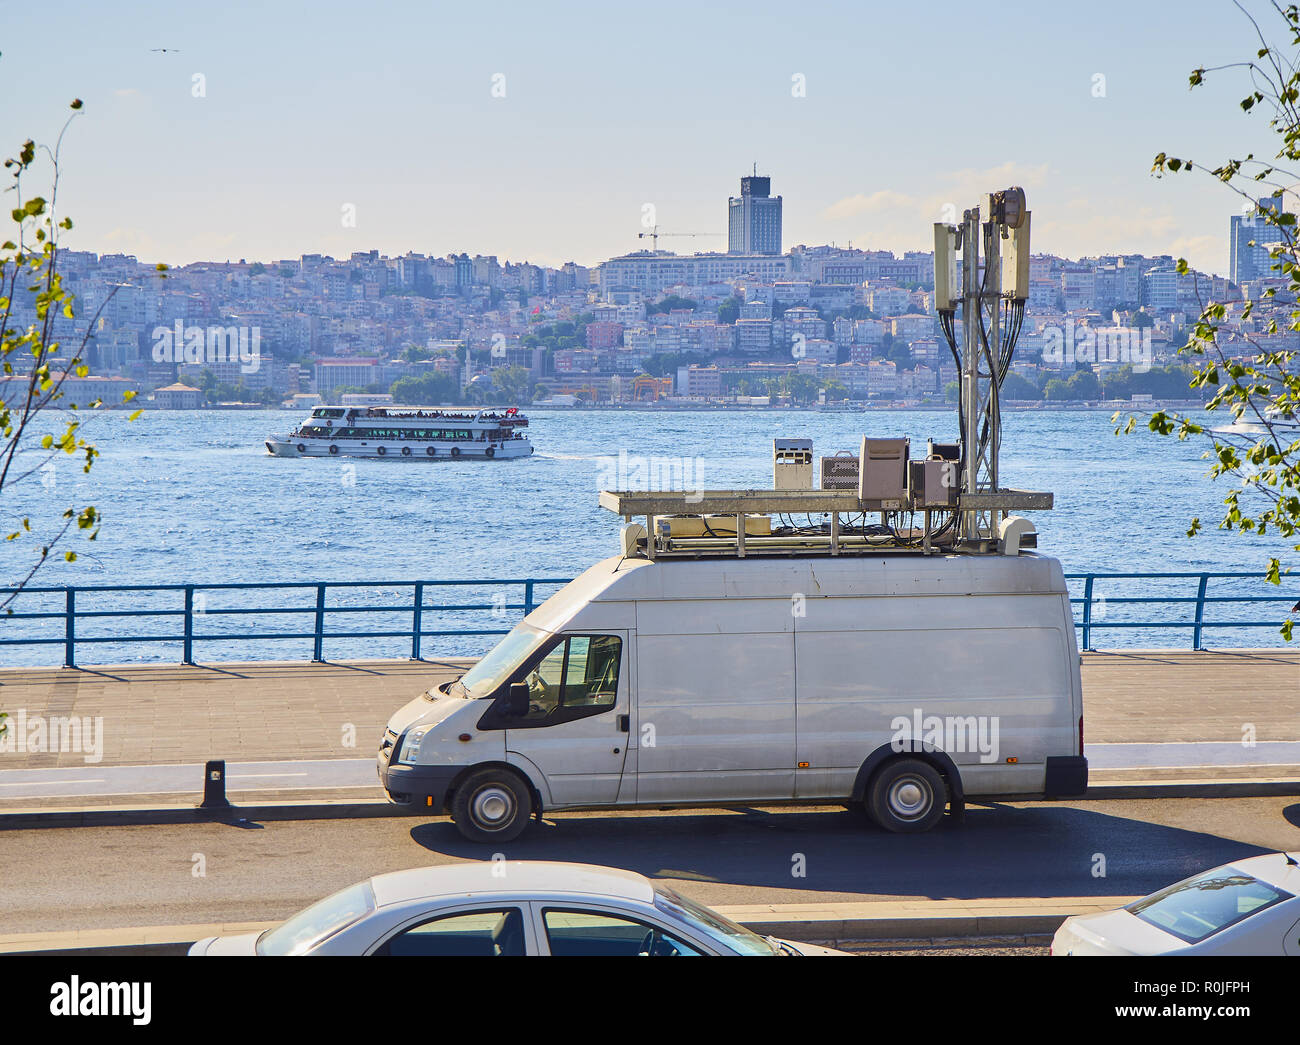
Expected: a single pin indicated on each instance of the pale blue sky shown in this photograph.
(389, 106)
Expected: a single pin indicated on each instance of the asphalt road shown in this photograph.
(110, 877)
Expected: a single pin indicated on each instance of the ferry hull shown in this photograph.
(398, 450)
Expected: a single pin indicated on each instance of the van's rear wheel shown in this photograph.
(492, 805)
(907, 796)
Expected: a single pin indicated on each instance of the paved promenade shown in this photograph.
(288, 711)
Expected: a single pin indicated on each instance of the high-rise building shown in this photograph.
(1249, 238)
(754, 219)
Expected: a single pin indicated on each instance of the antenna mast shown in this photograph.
(992, 302)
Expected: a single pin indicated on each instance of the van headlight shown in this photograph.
(410, 752)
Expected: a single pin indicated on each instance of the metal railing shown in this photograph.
(1096, 605)
(67, 608)
(194, 610)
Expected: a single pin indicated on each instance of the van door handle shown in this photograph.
(625, 723)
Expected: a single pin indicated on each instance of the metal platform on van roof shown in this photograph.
(844, 531)
(728, 502)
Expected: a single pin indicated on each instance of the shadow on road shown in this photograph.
(997, 851)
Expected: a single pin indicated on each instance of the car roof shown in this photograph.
(487, 878)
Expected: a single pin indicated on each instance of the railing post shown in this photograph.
(70, 629)
(528, 597)
(1200, 613)
(417, 620)
(318, 650)
(187, 656)
(1087, 612)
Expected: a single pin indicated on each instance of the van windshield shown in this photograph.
(486, 676)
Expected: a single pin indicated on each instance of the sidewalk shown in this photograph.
(159, 715)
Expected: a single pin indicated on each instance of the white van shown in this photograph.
(900, 683)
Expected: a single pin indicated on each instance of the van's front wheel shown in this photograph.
(492, 805)
(907, 796)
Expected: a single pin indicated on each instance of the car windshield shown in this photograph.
(320, 921)
(1207, 903)
(710, 923)
(485, 676)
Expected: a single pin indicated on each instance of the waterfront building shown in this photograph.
(178, 397)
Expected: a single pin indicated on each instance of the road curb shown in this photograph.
(1201, 788)
(343, 809)
(115, 816)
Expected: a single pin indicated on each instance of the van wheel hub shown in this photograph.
(909, 798)
(493, 806)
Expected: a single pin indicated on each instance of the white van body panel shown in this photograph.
(718, 712)
(749, 668)
(775, 679)
(988, 658)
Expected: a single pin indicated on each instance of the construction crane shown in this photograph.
(654, 235)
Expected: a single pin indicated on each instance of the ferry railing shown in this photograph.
(186, 605)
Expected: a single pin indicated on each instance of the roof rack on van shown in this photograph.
(740, 523)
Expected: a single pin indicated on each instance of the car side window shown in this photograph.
(492, 933)
(596, 934)
(580, 672)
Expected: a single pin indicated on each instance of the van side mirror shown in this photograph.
(517, 700)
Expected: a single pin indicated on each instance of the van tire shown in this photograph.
(907, 796)
(492, 805)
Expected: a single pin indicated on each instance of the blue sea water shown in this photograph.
(193, 498)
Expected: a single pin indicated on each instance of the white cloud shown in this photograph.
(990, 179)
(883, 200)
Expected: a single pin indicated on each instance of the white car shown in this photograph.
(507, 909)
(1249, 906)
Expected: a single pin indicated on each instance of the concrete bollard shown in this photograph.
(214, 785)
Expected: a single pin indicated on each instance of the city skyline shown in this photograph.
(547, 144)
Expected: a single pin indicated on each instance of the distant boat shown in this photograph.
(1284, 425)
(416, 433)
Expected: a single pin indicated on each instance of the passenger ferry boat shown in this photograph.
(415, 433)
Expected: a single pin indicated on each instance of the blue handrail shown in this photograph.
(1091, 603)
(1093, 614)
(193, 607)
